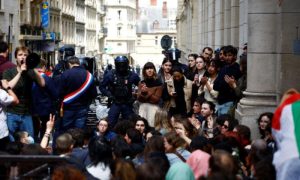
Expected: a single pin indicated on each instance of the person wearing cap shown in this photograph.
(174, 54)
(20, 79)
(76, 90)
(64, 53)
(117, 85)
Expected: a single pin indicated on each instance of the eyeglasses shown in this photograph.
(225, 126)
(191, 60)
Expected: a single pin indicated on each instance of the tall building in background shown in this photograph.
(46, 25)
(90, 27)
(41, 36)
(80, 27)
(68, 22)
(156, 18)
(120, 24)
(52, 35)
(9, 18)
(101, 31)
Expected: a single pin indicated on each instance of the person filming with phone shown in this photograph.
(180, 91)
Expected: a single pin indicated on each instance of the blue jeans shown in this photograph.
(16, 122)
(74, 119)
(116, 109)
(71, 119)
(224, 108)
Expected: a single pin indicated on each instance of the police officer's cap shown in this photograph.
(121, 59)
(69, 51)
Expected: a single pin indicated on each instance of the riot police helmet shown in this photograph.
(66, 51)
(120, 59)
(122, 64)
(174, 54)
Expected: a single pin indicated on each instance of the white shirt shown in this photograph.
(100, 171)
(5, 100)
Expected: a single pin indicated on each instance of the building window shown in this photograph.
(119, 31)
(119, 14)
(1, 4)
(138, 42)
(11, 23)
(155, 24)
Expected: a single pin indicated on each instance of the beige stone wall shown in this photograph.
(270, 30)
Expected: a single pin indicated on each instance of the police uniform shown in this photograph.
(117, 85)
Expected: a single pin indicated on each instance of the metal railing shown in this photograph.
(46, 162)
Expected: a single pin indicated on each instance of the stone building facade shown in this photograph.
(271, 30)
(154, 20)
(9, 28)
(120, 22)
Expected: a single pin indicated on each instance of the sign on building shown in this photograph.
(45, 14)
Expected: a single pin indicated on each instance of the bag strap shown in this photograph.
(180, 156)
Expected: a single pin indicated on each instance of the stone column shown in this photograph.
(227, 21)
(289, 76)
(200, 24)
(219, 23)
(195, 26)
(205, 26)
(261, 94)
(234, 26)
(28, 11)
(211, 24)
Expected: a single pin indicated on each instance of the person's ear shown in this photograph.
(71, 147)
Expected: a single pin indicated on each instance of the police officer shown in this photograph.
(117, 85)
(64, 53)
(174, 54)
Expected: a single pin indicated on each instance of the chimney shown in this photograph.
(165, 10)
(153, 2)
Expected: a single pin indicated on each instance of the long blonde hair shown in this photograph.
(162, 120)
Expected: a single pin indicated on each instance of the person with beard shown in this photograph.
(227, 96)
(149, 93)
(180, 90)
(117, 86)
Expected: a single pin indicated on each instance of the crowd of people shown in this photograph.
(175, 123)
